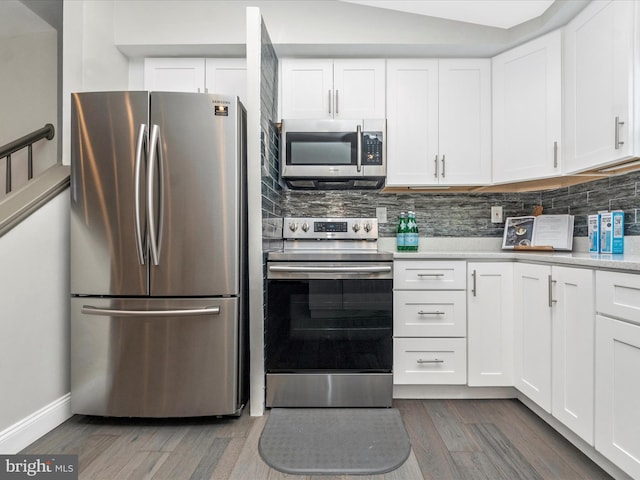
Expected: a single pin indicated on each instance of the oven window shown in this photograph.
(329, 325)
(321, 148)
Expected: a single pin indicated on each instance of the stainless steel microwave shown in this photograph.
(333, 154)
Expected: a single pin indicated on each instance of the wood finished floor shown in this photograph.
(451, 439)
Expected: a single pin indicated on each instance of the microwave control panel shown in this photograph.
(372, 148)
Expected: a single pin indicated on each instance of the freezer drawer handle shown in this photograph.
(115, 312)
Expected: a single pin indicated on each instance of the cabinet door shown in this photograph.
(227, 76)
(174, 74)
(490, 324)
(598, 58)
(617, 392)
(527, 112)
(464, 122)
(307, 88)
(532, 331)
(358, 89)
(412, 122)
(573, 349)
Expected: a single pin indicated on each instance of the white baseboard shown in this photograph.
(23, 433)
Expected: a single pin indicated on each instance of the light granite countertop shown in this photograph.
(489, 249)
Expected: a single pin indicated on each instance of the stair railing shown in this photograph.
(48, 132)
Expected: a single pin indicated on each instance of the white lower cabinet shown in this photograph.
(429, 361)
(532, 333)
(573, 353)
(490, 324)
(430, 323)
(554, 342)
(617, 377)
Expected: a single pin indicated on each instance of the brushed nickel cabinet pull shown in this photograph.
(617, 133)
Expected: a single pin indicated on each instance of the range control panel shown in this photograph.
(330, 228)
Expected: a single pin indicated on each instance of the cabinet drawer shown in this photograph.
(429, 361)
(618, 295)
(429, 275)
(439, 313)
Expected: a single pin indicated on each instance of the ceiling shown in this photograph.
(16, 19)
(492, 13)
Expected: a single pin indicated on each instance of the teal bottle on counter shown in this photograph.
(401, 233)
(411, 237)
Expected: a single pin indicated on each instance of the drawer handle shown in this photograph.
(437, 360)
(422, 312)
(431, 274)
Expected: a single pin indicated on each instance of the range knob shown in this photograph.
(305, 227)
(293, 226)
(367, 227)
(355, 227)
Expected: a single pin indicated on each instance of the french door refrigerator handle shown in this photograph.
(140, 148)
(155, 233)
(116, 312)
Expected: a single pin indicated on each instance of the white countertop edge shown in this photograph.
(490, 250)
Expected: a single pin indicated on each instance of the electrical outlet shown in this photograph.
(381, 214)
(496, 214)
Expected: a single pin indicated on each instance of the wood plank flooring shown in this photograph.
(451, 440)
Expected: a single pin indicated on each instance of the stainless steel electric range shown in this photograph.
(329, 323)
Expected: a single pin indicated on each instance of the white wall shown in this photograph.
(91, 60)
(28, 95)
(34, 321)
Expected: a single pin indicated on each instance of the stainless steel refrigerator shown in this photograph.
(158, 254)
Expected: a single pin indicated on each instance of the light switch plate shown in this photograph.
(496, 214)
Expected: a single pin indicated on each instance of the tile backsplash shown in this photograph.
(463, 214)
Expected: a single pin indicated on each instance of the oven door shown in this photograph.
(329, 334)
(332, 317)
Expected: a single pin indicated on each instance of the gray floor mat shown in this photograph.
(334, 441)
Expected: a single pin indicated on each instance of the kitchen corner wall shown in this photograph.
(272, 192)
(465, 215)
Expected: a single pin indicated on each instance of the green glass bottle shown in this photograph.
(401, 233)
(411, 237)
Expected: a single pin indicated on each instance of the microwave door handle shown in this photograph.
(359, 151)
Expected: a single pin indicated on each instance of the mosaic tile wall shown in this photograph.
(468, 215)
(271, 191)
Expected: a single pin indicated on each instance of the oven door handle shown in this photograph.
(345, 269)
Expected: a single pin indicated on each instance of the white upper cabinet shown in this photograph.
(227, 76)
(325, 88)
(174, 74)
(213, 75)
(599, 85)
(527, 110)
(438, 122)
